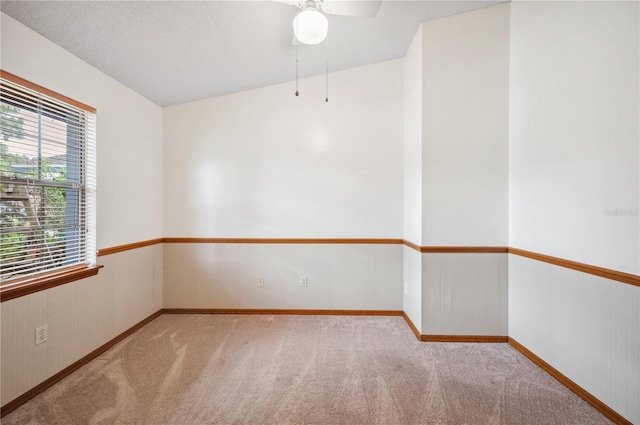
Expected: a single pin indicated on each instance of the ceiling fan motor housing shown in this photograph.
(313, 4)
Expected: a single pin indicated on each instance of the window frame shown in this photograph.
(19, 287)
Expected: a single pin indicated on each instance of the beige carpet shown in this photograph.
(241, 369)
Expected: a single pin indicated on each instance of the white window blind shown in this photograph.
(47, 183)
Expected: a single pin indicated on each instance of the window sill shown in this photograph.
(50, 280)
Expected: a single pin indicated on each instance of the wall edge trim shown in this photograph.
(465, 338)
(577, 389)
(295, 312)
(623, 277)
(616, 275)
(412, 326)
(464, 249)
(126, 247)
(380, 241)
(411, 245)
(24, 397)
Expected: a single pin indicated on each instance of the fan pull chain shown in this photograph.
(326, 72)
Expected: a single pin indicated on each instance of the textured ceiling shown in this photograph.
(173, 52)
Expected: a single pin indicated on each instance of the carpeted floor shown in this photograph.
(250, 369)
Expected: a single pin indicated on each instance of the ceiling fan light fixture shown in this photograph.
(310, 26)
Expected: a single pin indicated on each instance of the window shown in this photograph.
(47, 183)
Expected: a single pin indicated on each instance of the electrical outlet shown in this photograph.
(406, 289)
(304, 281)
(42, 333)
(260, 282)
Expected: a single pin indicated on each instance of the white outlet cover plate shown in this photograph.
(42, 334)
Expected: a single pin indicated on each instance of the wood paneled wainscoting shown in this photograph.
(355, 258)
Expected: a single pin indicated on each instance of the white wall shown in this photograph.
(129, 133)
(412, 181)
(412, 286)
(264, 163)
(81, 316)
(465, 294)
(84, 315)
(340, 277)
(574, 131)
(465, 116)
(574, 146)
(465, 128)
(585, 326)
(235, 166)
(413, 118)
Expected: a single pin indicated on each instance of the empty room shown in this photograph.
(320, 212)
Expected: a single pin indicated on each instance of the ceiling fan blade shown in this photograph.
(289, 2)
(365, 8)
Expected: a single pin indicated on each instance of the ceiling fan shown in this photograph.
(310, 26)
